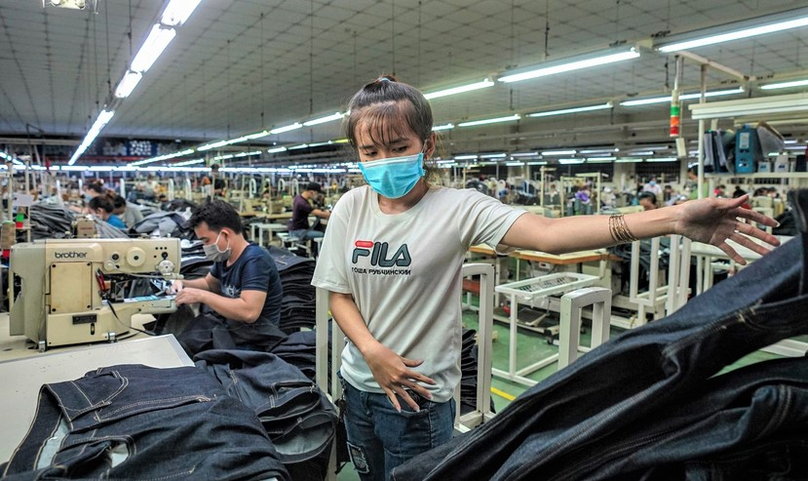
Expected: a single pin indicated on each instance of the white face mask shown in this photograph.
(213, 253)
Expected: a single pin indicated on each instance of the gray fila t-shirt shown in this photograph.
(403, 271)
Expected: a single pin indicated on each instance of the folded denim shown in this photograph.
(630, 376)
(163, 422)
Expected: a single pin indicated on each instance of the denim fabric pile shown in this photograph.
(164, 224)
(468, 372)
(297, 416)
(299, 349)
(649, 404)
(298, 305)
(138, 422)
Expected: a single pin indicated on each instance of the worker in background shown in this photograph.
(243, 286)
(302, 208)
(391, 262)
(215, 179)
(102, 206)
(647, 200)
(126, 211)
(652, 187)
(693, 175)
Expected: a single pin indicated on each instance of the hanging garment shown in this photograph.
(631, 376)
(139, 422)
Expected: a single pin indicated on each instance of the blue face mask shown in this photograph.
(394, 177)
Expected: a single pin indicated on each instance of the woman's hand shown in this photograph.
(394, 375)
(713, 221)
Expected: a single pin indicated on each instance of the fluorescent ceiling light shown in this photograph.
(573, 63)
(790, 141)
(297, 147)
(213, 145)
(570, 161)
(459, 90)
(628, 160)
(224, 157)
(690, 96)
(785, 85)
(492, 156)
(490, 121)
(746, 29)
(540, 162)
(247, 154)
(153, 47)
(287, 128)
(245, 138)
(574, 110)
(438, 128)
(750, 107)
(161, 157)
(524, 154)
(515, 164)
(322, 120)
(662, 159)
(600, 160)
(178, 11)
(341, 141)
(11, 158)
(99, 124)
(641, 152)
(320, 144)
(127, 84)
(275, 150)
(599, 151)
(465, 157)
(188, 162)
(558, 152)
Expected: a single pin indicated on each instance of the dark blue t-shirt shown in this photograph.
(254, 270)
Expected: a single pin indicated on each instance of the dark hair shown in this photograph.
(118, 201)
(384, 100)
(101, 202)
(313, 186)
(217, 214)
(97, 188)
(647, 195)
(214, 166)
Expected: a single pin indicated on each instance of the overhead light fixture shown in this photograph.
(188, 162)
(570, 161)
(438, 128)
(515, 164)
(320, 144)
(153, 47)
(12, 159)
(540, 162)
(601, 160)
(224, 157)
(287, 128)
(690, 96)
(103, 117)
(275, 150)
(524, 154)
(322, 120)
(493, 156)
(341, 141)
(641, 152)
(599, 151)
(573, 63)
(662, 159)
(750, 107)
(490, 121)
(574, 110)
(127, 84)
(298, 147)
(248, 154)
(161, 157)
(178, 11)
(745, 29)
(245, 138)
(459, 90)
(785, 85)
(551, 153)
(628, 160)
(213, 145)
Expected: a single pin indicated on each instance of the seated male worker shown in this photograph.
(243, 286)
(301, 210)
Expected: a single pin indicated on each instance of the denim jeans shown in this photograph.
(379, 438)
(631, 376)
(138, 422)
(306, 234)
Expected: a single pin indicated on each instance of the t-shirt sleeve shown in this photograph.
(484, 219)
(303, 207)
(216, 271)
(255, 276)
(331, 271)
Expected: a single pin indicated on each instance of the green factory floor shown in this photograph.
(532, 347)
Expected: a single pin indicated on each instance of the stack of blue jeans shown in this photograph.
(644, 406)
(298, 304)
(138, 422)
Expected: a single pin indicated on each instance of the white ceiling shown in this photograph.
(238, 66)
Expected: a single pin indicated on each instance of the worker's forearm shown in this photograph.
(233, 309)
(577, 233)
(349, 319)
(200, 283)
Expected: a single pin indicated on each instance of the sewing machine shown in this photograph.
(71, 291)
